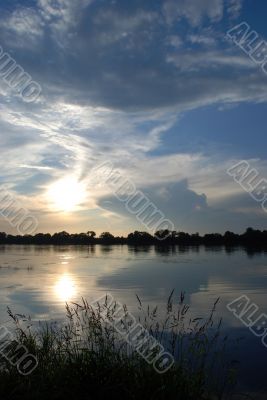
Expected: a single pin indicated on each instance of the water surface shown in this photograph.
(38, 280)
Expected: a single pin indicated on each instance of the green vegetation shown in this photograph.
(85, 357)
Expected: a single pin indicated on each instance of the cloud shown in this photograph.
(234, 8)
(62, 14)
(202, 39)
(193, 11)
(128, 57)
(23, 28)
(38, 167)
(174, 200)
(116, 77)
(60, 139)
(174, 41)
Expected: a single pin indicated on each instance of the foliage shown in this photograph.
(85, 358)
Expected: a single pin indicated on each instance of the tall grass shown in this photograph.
(85, 358)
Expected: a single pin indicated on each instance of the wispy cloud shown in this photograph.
(117, 78)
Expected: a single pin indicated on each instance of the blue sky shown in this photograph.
(154, 87)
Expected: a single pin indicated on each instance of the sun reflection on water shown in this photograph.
(65, 288)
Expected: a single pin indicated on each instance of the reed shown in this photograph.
(86, 358)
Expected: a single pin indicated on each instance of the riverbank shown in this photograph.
(87, 357)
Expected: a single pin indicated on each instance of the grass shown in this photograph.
(86, 358)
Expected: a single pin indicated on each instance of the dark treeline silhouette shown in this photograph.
(251, 237)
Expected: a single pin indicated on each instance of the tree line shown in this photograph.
(251, 237)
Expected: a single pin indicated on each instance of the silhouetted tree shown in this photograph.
(61, 237)
(251, 238)
(163, 234)
(106, 237)
(91, 234)
(140, 237)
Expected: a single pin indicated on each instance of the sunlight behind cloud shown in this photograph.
(66, 194)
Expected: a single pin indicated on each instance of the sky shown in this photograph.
(156, 88)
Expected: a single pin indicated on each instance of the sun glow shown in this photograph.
(65, 288)
(66, 194)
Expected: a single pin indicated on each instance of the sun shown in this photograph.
(66, 194)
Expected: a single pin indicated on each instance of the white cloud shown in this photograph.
(201, 39)
(175, 41)
(112, 87)
(193, 11)
(63, 12)
(65, 139)
(23, 28)
(234, 8)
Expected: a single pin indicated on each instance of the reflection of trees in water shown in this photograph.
(164, 240)
(106, 249)
(140, 249)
